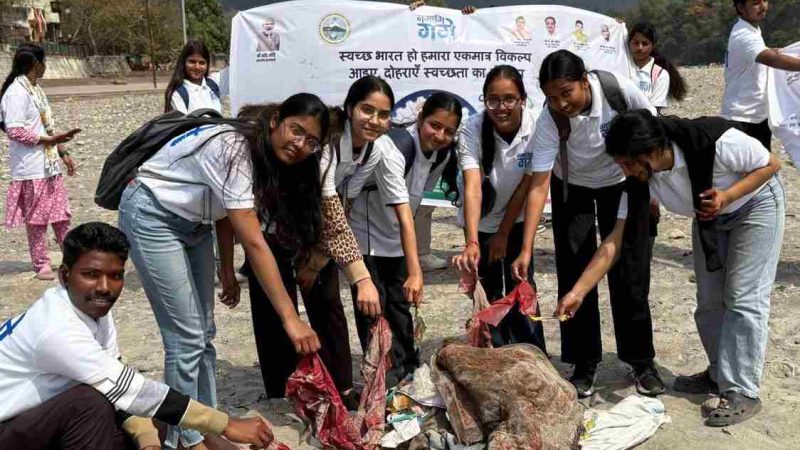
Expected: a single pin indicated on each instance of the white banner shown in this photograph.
(783, 97)
(322, 46)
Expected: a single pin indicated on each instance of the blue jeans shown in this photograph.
(733, 302)
(174, 259)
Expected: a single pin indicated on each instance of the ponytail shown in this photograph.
(677, 85)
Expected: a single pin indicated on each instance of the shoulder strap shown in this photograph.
(181, 90)
(405, 143)
(213, 86)
(655, 72)
(611, 90)
(564, 130)
(203, 112)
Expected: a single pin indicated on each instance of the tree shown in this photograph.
(207, 21)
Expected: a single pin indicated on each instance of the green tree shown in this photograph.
(207, 21)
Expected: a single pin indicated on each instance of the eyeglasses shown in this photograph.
(299, 136)
(495, 102)
(370, 111)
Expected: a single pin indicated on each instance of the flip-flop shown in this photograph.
(733, 408)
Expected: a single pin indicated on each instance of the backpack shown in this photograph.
(405, 143)
(181, 90)
(613, 95)
(123, 163)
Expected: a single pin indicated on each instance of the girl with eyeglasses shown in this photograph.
(588, 187)
(494, 154)
(259, 172)
(345, 164)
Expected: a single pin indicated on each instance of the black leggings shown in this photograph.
(325, 312)
(498, 281)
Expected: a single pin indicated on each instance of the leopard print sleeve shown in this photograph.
(337, 240)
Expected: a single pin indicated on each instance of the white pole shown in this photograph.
(183, 17)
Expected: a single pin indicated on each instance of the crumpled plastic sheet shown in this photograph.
(629, 423)
(317, 401)
(485, 314)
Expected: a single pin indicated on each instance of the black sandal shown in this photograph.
(733, 408)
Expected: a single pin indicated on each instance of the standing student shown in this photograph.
(230, 175)
(37, 196)
(746, 61)
(654, 74)
(587, 187)
(191, 87)
(345, 164)
(382, 220)
(493, 154)
(726, 181)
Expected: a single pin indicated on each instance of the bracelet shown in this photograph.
(472, 243)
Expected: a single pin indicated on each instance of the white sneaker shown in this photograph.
(431, 262)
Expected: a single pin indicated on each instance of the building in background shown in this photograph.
(30, 20)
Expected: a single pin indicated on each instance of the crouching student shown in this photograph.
(382, 219)
(61, 379)
(726, 180)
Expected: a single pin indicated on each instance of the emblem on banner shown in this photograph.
(334, 28)
(407, 108)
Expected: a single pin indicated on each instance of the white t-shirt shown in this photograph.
(51, 348)
(25, 162)
(346, 174)
(737, 155)
(511, 161)
(589, 164)
(783, 98)
(372, 218)
(655, 92)
(744, 99)
(202, 184)
(200, 96)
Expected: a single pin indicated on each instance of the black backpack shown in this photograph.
(613, 95)
(123, 163)
(184, 94)
(405, 143)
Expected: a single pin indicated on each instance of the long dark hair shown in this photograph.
(448, 102)
(25, 58)
(677, 85)
(635, 133)
(193, 47)
(487, 127)
(358, 91)
(288, 198)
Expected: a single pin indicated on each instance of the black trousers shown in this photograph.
(575, 233)
(389, 274)
(498, 281)
(276, 353)
(759, 131)
(77, 419)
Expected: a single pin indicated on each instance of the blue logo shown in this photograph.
(433, 27)
(604, 128)
(8, 327)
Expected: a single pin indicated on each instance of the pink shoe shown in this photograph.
(46, 274)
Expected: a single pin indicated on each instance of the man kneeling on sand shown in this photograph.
(62, 384)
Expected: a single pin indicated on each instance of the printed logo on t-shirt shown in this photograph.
(604, 128)
(524, 160)
(644, 86)
(8, 327)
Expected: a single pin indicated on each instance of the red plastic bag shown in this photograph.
(524, 294)
(317, 401)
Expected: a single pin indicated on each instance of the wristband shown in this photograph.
(472, 243)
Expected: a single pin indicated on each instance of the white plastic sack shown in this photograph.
(783, 98)
(629, 423)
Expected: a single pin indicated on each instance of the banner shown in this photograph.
(322, 46)
(783, 98)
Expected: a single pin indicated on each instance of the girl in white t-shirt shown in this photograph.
(191, 87)
(345, 163)
(653, 73)
(726, 181)
(37, 196)
(382, 220)
(587, 187)
(258, 173)
(494, 154)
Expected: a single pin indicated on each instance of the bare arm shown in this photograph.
(227, 276)
(773, 58)
(498, 242)
(248, 229)
(714, 200)
(408, 238)
(469, 258)
(538, 188)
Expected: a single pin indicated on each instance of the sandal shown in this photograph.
(733, 408)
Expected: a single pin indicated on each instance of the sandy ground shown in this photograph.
(108, 120)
